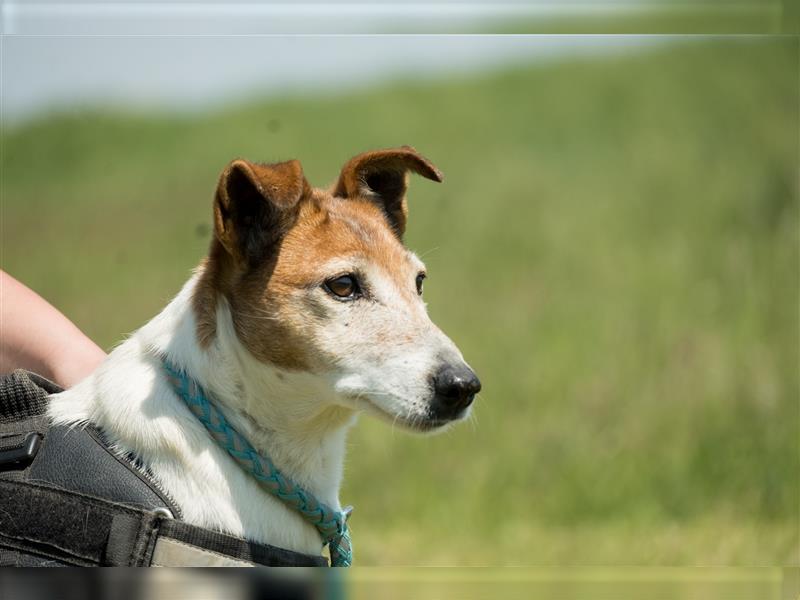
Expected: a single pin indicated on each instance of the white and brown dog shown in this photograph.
(307, 311)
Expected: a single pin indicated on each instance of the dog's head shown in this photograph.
(319, 281)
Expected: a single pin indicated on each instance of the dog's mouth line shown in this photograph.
(420, 423)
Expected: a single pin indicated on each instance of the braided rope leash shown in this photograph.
(331, 524)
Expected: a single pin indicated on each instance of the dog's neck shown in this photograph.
(291, 417)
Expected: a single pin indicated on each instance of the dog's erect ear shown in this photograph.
(382, 175)
(255, 205)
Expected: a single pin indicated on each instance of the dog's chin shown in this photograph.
(422, 423)
(430, 426)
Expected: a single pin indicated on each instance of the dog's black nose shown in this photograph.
(455, 387)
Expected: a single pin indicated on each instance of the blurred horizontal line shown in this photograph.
(203, 18)
(350, 9)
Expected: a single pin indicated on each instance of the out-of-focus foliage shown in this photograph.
(614, 248)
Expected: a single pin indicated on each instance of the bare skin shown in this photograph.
(37, 337)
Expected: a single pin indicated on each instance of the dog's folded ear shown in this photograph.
(382, 176)
(255, 205)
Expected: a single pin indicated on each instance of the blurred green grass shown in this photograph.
(565, 583)
(615, 250)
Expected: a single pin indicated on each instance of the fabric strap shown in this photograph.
(75, 529)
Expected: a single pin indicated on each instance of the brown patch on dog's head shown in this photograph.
(275, 239)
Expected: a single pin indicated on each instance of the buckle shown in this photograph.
(17, 451)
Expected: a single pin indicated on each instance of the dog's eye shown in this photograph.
(345, 286)
(420, 279)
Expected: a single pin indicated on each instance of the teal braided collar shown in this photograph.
(331, 524)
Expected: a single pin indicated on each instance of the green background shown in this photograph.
(614, 249)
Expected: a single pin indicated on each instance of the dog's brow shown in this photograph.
(354, 262)
(415, 261)
(357, 227)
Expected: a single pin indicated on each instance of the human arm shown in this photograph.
(37, 337)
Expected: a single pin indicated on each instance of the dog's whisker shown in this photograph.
(424, 254)
(472, 419)
(394, 422)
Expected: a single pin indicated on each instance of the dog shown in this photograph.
(307, 311)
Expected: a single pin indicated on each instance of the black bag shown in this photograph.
(67, 499)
